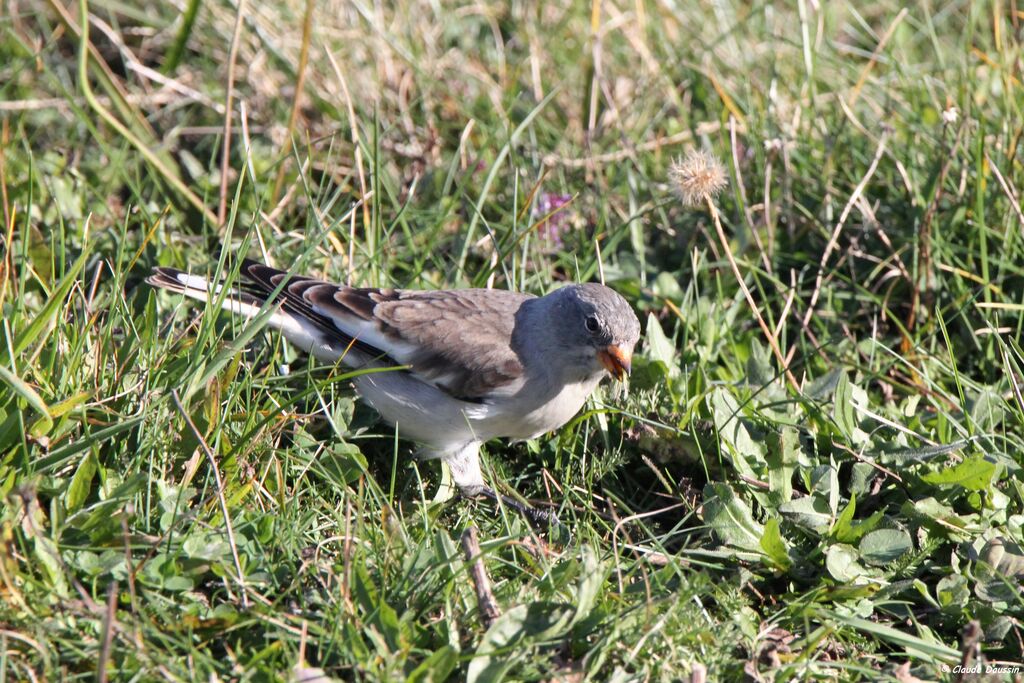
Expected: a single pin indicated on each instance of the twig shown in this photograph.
(785, 309)
(106, 78)
(489, 610)
(225, 162)
(738, 170)
(220, 492)
(132, 63)
(149, 101)
(863, 458)
(7, 229)
(346, 557)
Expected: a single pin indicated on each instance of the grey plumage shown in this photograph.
(476, 364)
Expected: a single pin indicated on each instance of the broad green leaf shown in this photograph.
(437, 667)
(390, 627)
(988, 410)
(589, 587)
(342, 462)
(760, 372)
(973, 474)
(177, 584)
(534, 621)
(202, 546)
(811, 512)
(825, 482)
(744, 451)
(995, 587)
(842, 408)
(924, 645)
(110, 501)
(883, 546)
(862, 476)
(657, 346)
(782, 458)
(843, 562)
(952, 591)
(81, 483)
(730, 518)
(999, 628)
(864, 526)
(842, 528)
(1005, 556)
(667, 286)
(929, 511)
(67, 405)
(44, 551)
(920, 454)
(825, 386)
(774, 546)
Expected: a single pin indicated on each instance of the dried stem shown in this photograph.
(489, 610)
(109, 617)
(225, 162)
(772, 341)
(220, 493)
(300, 81)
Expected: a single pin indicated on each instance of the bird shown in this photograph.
(467, 365)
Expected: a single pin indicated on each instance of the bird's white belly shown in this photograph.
(420, 411)
(527, 417)
(426, 414)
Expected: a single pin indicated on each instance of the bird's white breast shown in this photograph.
(529, 414)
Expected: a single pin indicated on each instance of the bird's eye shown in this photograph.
(593, 325)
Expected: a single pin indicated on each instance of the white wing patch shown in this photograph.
(299, 332)
(369, 332)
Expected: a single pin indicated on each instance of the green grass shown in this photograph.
(720, 516)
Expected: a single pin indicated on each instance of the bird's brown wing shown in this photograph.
(458, 340)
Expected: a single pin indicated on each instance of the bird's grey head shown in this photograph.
(597, 327)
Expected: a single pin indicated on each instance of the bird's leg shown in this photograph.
(465, 468)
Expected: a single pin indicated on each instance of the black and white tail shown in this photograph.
(304, 328)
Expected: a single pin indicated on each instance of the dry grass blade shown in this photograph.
(83, 78)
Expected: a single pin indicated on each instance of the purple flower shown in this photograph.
(553, 218)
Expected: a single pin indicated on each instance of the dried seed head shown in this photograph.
(698, 177)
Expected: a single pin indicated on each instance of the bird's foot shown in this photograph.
(539, 518)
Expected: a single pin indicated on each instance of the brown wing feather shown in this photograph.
(262, 281)
(459, 340)
(465, 337)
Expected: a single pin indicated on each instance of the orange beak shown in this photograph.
(617, 362)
